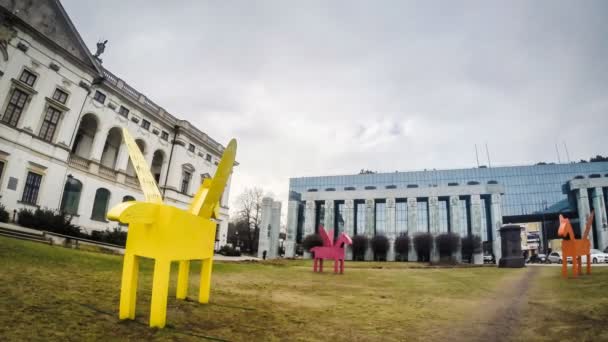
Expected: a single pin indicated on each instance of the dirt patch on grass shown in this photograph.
(496, 317)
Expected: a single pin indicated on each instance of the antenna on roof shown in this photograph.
(559, 160)
(477, 155)
(567, 154)
(488, 154)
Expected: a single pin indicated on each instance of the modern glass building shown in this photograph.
(466, 201)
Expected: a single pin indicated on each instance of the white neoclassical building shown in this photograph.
(61, 114)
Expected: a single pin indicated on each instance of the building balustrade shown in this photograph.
(132, 181)
(79, 162)
(107, 172)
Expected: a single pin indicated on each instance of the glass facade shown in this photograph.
(401, 217)
(527, 189)
(359, 218)
(380, 216)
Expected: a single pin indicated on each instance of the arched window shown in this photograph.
(128, 198)
(100, 205)
(71, 196)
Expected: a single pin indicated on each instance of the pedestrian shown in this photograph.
(264, 255)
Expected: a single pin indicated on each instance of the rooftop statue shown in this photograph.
(166, 233)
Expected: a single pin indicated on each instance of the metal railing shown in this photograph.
(107, 172)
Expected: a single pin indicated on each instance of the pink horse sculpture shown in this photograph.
(330, 250)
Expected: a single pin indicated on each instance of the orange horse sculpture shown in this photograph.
(330, 250)
(575, 248)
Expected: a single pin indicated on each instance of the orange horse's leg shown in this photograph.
(574, 265)
(564, 265)
(588, 263)
(580, 265)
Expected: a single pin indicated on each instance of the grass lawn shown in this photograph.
(52, 293)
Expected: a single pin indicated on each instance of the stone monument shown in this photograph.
(512, 256)
(270, 226)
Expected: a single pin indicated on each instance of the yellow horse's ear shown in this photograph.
(210, 192)
(146, 180)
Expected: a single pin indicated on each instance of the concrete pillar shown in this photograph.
(275, 230)
(476, 224)
(329, 215)
(349, 224)
(99, 141)
(600, 218)
(582, 201)
(370, 219)
(391, 232)
(412, 226)
(455, 214)
(434, 225)
(265, 228)
(496, 217)
(292, 228)
(309, 223)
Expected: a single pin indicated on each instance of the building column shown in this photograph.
(455, 222)
(496, 217)
(292, 228)
(99, 140)
(264, 238)
(309, 223)
(370, 218)
(582, 201)
(476, 224)
(328, 223)
(391, 233)
(434, 225)
(600, 218)
(275, 229)
(412, 226)
(349, 224)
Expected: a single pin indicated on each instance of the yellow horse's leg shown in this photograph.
(160, 291)
(205, 287)
(128, 287)
(182, 279)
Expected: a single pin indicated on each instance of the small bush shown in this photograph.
(360, 243)
(25, 218)
(4, 214)
(447, 244)
(380, 246)
(115, 236)
(402, 247)
(470, 245)
(312, 240)
(423, 243)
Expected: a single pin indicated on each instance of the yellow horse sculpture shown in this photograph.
(166, 233)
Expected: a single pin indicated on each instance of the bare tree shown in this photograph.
(249, 205)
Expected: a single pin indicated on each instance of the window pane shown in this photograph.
(100, 205)
(31, 188)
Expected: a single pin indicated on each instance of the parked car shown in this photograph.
(597, 257)
(555, 258)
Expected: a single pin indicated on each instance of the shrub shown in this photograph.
(423, 243)
(471, 244)
(4, 214)
(25, 218)
(402, 246)
(312, 240)
(115, 236)
(447, 244)
(360, 243)
(380, 245)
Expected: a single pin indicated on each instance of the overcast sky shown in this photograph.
(330, 87)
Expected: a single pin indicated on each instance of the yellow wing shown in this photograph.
(209, 194)
(146, 180)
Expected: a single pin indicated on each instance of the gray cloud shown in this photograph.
(312, 88)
